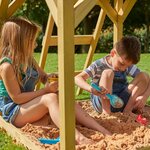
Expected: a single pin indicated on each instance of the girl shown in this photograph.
(19, 73)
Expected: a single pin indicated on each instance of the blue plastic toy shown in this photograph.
(49, 141)
(115, 101)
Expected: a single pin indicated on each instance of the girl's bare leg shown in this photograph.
(37, 108)
(85, 119)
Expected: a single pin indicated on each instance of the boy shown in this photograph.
(110, 74)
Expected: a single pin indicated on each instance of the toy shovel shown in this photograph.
(115, 101)
(49, 141)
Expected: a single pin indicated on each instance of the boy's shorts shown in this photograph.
(124, 95)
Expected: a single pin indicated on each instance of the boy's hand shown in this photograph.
(139, 102)
(101, 93)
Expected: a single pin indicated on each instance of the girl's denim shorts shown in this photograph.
(8, 109)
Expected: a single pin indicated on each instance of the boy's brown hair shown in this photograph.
(130, 47)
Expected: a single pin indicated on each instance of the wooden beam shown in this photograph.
(94, 41)
(78, 40)
(118, 7)
(82, 8)
(13, 6)
(75, 1)
(105, 5)
(77, 72)
(118, 27)
(45, 43)
(3, 9)
(118, 32)
(66, 73)
(127, 6)
(52, 5)
(83, 39)
(20, 137)
(96, 36)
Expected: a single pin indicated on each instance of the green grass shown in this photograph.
(52, 66)
(6, 142)
(52, 61)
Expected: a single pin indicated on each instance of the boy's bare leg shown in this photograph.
(137, 88)
(106, 81)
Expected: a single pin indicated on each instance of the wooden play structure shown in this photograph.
(67, 14)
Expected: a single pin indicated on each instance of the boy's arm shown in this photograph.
(80, 80)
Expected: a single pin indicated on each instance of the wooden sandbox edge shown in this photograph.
(16, 134)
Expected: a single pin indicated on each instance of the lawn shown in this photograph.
(6, 143)
(52, 66)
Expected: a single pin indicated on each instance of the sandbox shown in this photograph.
(128, 134)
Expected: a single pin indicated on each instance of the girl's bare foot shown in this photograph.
(106, 132)
(81, 139)
(84, 140)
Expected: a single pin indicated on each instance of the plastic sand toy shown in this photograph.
(49, 141)
(115, 101)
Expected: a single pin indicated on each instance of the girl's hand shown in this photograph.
(51, 87)
(52, 77)
(43, 78)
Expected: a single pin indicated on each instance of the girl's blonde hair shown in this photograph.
(17, 41)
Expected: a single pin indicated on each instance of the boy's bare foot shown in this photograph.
(106, 112)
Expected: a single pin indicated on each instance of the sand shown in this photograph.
(128, 134)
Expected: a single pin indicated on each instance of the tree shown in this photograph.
(37, 11)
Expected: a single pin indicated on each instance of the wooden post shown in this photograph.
(3, 8)
(94, 41)
(3, 11)
(81, 9)
(13, 6)
(45, 44)
(122, 9)
(118, 26)
(66, 73)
